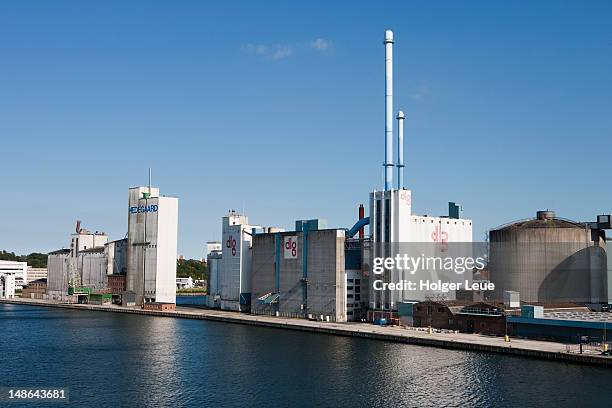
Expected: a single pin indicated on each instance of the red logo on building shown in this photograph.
(291, 245)
(440, 236)
(231, 243)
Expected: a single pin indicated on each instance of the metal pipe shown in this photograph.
(388, 164)
(400, 150)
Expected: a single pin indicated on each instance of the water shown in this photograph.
(111, 359)
(199, 300)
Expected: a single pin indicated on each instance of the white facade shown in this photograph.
(20, 269)
(152, 245)
(392, 222)
(36, 273)
(84, 240)
(7, 285)
(212, 246)
(353, 293)
(235, 275)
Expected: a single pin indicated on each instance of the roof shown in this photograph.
(538, 223)
(92, 250)
(41, 280)
(59, 252)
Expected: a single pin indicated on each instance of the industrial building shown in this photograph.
(7, 285)
(84, 264)
(152, 245)
(235, 272)
(549, 259)
(213, 265)
(391, 221)
(300, 273)
(19, 269)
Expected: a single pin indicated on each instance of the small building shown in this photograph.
(19, 269)
(35, 289)
(7, 285)
(184, 283)
(561, 325)
(116, 287)
(160, 306)
(36, 273)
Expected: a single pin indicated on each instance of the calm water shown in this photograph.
(109, 359)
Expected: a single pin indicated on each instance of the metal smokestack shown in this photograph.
(388, 164)
(400, 150)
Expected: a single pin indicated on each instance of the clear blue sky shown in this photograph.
(278, 108)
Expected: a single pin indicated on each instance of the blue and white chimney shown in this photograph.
(388, 164)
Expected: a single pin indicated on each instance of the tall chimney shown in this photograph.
(361, 216)
(400, 150)
(388, 164)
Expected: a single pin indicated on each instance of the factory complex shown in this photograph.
(543, 277)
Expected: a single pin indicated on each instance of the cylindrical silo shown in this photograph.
(548, 260)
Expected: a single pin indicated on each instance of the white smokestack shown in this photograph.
(388, 164)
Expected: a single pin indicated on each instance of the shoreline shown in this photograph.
(458, 341)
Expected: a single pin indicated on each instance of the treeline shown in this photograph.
(191, 267)
(35, 259)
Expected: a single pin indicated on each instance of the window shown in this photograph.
(357, 281)
(349, 280)
(349, 288)
(357, 289)
(349, 296)
(357, 297)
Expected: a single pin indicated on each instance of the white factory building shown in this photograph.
(152, 245)
(19, 269)
(392, 223)
(7, 285)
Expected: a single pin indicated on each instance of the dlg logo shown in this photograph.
(231, 243)
(290, 248)
(440, 236)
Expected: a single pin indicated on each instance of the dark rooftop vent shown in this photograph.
(545, 215)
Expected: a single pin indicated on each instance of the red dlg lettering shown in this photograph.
(231, 243)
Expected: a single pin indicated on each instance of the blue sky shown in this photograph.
(279, 109)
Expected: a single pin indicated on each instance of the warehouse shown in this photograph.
(300, 273)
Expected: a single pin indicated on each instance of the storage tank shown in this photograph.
(548, 259)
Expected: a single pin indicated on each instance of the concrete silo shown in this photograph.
(549, 259)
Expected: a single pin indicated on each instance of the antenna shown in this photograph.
(149, 181)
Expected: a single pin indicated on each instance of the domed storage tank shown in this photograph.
(549, 259)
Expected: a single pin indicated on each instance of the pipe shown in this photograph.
(358, 225)
(400, 150)
(361, 217)
(388, 164)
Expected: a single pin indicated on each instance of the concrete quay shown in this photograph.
(459, 341)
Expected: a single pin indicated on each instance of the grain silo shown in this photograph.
(549, 259)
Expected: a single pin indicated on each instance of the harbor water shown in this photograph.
(114, 359)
